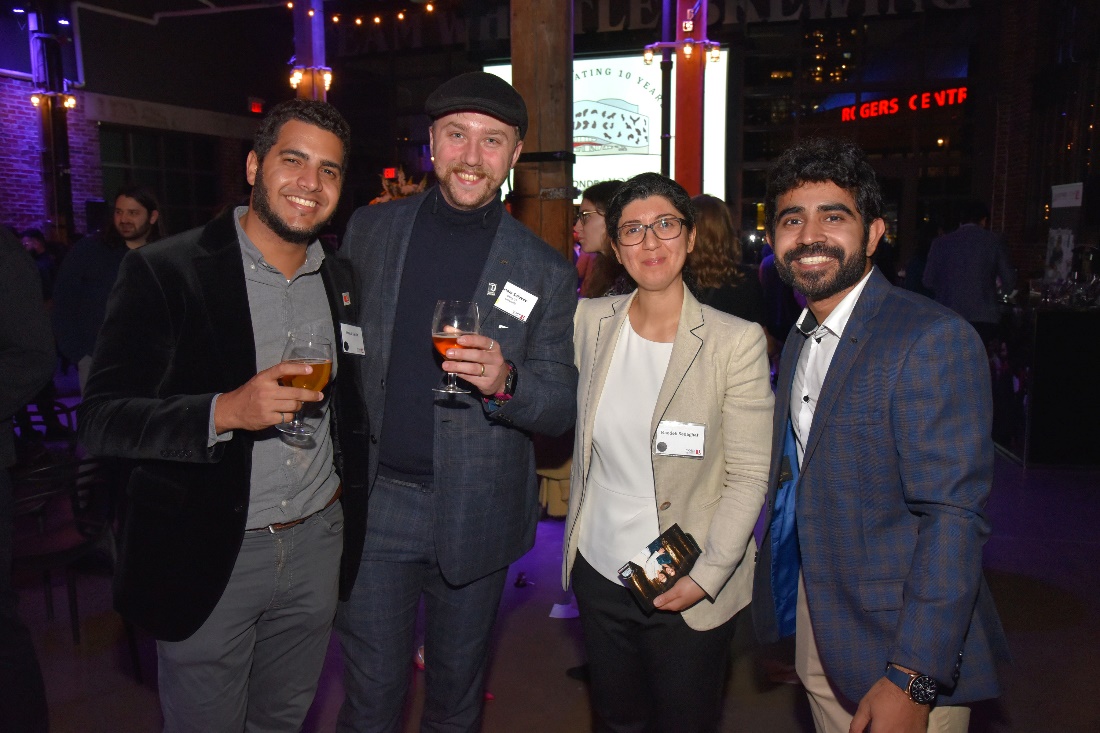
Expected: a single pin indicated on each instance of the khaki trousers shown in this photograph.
(831, 710)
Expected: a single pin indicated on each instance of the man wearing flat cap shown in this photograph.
(453, 493)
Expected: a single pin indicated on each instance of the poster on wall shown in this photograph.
(617, 120)
(1059, 254)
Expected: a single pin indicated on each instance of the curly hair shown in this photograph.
(717, 250)
(312, 112)
(821, 160)
(643, 186)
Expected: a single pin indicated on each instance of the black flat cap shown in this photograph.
(478, 91)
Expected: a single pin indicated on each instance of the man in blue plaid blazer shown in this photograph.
(881, 465)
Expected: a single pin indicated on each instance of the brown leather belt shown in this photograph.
(280, 526)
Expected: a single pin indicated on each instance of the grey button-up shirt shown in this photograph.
(291, 478)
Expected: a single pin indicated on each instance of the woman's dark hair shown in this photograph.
(310, 111)
(601, 193)
(823, 160)
(643, 186)
(717, 250)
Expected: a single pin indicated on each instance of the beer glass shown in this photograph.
(306, 347)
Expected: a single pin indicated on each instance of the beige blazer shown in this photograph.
(718, 376)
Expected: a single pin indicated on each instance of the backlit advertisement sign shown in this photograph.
(617, 119)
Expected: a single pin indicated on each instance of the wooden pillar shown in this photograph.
(309, 48)
(688, 169)
(542, 72)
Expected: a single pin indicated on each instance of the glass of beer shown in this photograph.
(306, 347)
(453, 318)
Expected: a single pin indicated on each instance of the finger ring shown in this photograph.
(492, 344)
(282, 418)
(482, 371)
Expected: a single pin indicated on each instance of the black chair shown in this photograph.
(64, 514)
(55, 421)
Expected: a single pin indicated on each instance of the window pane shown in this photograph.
(112, 146)
(145, 150)
(175, 152)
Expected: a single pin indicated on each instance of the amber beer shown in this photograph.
(316, 381)
(444, 341)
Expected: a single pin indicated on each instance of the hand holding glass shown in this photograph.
(452, 318)
(306, 347)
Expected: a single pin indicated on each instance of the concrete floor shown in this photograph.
(1041, 563)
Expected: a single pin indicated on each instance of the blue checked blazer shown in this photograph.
(486, 492)
(889, 501)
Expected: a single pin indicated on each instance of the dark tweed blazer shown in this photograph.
(890, 500)
(178, 330)
(486, 490)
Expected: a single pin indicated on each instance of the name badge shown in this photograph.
(351, 339)
(683, 439)
(516, 302)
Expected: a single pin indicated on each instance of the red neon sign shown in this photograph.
(915, 102)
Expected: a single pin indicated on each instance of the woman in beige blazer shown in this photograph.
(649, 363)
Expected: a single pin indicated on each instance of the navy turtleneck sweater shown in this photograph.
(447, 252)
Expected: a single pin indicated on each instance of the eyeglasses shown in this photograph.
(669, 227)
(583, 214)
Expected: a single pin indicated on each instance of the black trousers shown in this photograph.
(648, 674)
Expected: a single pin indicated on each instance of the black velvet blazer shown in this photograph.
(178, 330)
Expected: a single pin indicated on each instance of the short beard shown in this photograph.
(492, 193)
(819, 286)
(267, 215)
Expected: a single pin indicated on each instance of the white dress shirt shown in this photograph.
(814, 361)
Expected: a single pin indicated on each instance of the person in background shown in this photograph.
(89, 272)
(34, 241)
(721, 281)
(653, 365)
(26, 361)
(968, 267)
(604, 275)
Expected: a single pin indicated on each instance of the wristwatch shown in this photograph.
(920, 688)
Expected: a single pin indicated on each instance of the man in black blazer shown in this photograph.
(453, 497)
(233, 535)
(26, 361)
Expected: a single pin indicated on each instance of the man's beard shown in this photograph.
(262, 206)
(819, 285)
(139, 233)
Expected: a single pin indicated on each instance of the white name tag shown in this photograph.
(516, 302)
(351, 339)
(684, 439)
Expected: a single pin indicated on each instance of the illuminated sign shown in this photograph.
(617, 120)
(915, 102)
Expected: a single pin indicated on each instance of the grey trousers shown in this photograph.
(254, 664)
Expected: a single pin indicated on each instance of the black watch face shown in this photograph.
(923, 690)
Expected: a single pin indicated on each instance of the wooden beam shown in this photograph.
(542, 72)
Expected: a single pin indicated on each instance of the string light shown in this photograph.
(336, 18)
(688, 47)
